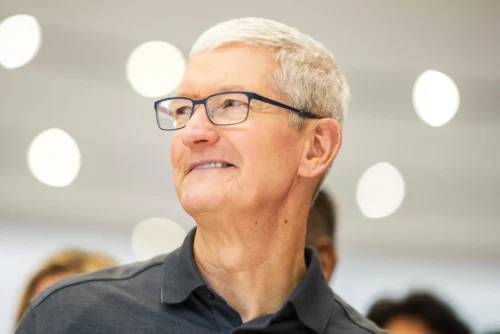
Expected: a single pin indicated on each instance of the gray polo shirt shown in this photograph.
(167, 295)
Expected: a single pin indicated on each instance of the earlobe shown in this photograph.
(322, 147)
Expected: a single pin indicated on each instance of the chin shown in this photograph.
(201, 200)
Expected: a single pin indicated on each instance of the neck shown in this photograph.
(254, 262)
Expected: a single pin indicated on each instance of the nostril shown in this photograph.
(201, 141)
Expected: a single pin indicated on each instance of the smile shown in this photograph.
(212, 165)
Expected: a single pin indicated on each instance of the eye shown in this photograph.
(227, 104)
(233, 103)
(182, 111)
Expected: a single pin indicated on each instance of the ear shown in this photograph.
(326, 250)
(322, 145)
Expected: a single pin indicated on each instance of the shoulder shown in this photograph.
(345, 319)
(87, 296)
(130, 273)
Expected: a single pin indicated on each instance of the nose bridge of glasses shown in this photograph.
(197, 104)
(202, 103)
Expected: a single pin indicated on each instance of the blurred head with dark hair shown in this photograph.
(321, 224)
(418, 313)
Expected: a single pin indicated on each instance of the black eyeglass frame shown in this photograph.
(251, 96)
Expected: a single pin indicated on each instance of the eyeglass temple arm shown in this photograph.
(281, 105)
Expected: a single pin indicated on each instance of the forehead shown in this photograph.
(228, 68)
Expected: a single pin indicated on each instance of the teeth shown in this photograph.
(212, 165)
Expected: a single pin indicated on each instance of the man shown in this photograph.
(321, 224)
(256, 123)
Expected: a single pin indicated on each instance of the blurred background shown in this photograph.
(83, 164)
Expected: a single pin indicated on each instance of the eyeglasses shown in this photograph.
(228, 108)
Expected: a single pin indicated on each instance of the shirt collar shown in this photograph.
(180, 275)
(312, 298)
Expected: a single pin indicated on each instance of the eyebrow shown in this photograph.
(220, 89)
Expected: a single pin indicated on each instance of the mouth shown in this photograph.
(210, 165)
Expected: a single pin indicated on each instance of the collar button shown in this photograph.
(208, 295)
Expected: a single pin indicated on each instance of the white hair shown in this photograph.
(307, 73)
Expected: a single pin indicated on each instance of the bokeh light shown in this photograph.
(54, 158)
(435, 98)
(155, 68)
(20, 40)
(155, 236)
(380, 191)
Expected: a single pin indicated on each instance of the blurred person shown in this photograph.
(418, 313)
(62, 264)
(256, 125)
(321, 225)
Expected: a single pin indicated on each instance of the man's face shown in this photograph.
(323, 244)
(260, 156)
(49, 280)
(408, 325)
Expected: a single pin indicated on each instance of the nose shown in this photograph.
(199, 129)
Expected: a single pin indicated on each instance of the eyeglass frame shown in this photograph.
(251, 96)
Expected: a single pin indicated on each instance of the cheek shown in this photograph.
(272, 158)
(175, 151)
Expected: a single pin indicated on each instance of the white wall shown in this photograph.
(472, 286)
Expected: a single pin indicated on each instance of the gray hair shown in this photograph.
(307, 73)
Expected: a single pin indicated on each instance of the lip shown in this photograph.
(204, 162)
